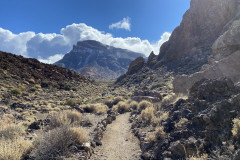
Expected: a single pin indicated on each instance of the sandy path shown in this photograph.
(118, 142)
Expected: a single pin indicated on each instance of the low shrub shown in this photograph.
(143, 105)
(14, 149)
(58, 142)
(97, 108)
(70, 102)
(133, 105)
(158, 134)
(111, 102)
(236, 127)
(65, 118)
(147, 115)
(117, 100)
(16, 91)
(122, 107)
(11, 131)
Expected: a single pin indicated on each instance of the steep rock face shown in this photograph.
(224, 60)
(190, 44)
(98, 61)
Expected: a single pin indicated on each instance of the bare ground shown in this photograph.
(118, 142)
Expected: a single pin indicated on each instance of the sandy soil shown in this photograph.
(118, 142)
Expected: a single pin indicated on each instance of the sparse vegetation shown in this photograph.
(58, 142)
(11, 131)
(65, 118)
(16, 91)
(122, 107)
(143, 105)
(147, 115)
(14, 149)
(236, 127)
(97, 108)
(181, 122)
(158, 134)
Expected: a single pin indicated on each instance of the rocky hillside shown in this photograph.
(98, 61)
(24, 69)
(204, 126)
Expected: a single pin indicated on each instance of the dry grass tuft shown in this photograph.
(11, 131)
(158, 134)
(144, 104)
(58, 142)
(147, 115)
(97, 108)
(236, 127)
(122, 107)
(133, 105)
(110, 103)
(65, 118)
(14, 149)
(181, 122)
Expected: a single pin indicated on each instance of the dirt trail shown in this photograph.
(118, 142)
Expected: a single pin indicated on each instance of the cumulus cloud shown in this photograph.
(49, 48)
(14, 43)
(123, 24)
(51, 59)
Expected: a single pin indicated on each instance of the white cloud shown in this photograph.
(14, 43)
(49, 48)
(51, 59)
(156, 46)
(123, 24)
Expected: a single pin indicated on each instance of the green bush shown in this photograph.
(16, 91)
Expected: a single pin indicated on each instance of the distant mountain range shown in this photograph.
(98, 61)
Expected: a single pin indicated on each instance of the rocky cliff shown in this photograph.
(96, 60)
(191, 43)
(225, 51)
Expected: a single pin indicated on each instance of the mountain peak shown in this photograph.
(99, 61)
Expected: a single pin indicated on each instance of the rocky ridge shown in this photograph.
(27, 68)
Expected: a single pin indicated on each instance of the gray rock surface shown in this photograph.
(227, 67)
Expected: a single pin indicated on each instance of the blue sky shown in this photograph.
(147, 19)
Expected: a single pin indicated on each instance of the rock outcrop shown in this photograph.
(149, 95)
(98, 61)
